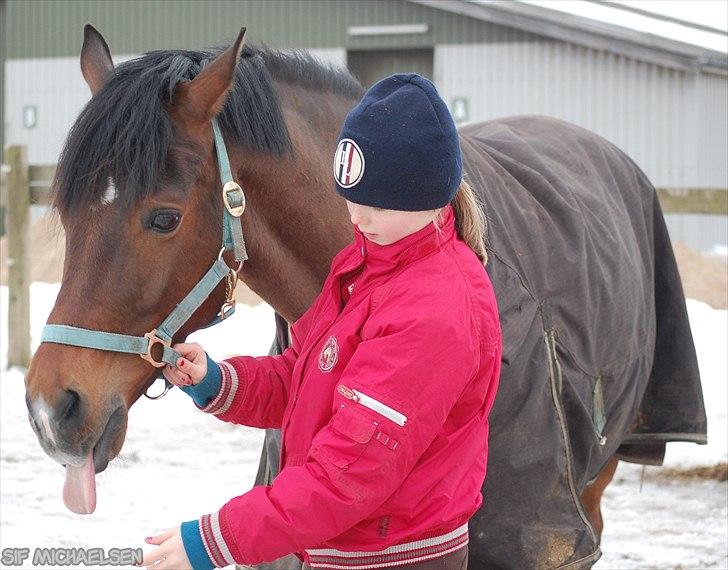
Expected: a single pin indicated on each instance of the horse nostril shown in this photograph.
(68, 407)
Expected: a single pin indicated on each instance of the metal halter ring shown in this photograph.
(154, 340)
(167, 387)
(240, 264)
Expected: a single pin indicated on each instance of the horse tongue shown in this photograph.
(79, 490)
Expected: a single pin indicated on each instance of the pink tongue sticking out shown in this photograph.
(79, 490)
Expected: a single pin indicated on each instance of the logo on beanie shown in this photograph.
(329, 355)
(348, 163)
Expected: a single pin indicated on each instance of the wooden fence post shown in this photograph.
(18, 224)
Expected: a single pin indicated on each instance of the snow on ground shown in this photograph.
(178, 463)
(718, 250)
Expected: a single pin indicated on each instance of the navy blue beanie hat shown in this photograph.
(399, 148)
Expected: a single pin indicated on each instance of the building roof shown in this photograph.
(588, 32)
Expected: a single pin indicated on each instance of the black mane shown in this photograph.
(125, 133)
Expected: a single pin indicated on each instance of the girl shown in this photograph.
(383, 397)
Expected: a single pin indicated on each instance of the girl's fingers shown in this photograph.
(154, 557)
(183, 378)
(167, 373)
(176, 377)
(191, 369)
(170, 555)
(173, 562)
(189, 350)
(161, 537)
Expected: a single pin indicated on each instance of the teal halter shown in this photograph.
(232, 239)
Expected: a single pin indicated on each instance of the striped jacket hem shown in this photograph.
(406, 553)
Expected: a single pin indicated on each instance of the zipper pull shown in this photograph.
(347, 393)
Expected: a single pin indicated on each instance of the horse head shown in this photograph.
(139, 196)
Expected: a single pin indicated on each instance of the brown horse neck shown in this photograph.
(295, 223)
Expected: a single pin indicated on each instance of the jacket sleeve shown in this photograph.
(417, 367)
(249, 390)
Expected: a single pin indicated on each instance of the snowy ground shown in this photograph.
(178, 464)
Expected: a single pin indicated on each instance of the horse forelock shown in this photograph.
(125, 133)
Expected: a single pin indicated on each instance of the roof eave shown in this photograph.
(590, 33)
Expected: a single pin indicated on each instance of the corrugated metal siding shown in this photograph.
(711, 138)
(699, 231)
(646, 110)
(57, 89)
(674, 124)
(50, 28)
(3, 55)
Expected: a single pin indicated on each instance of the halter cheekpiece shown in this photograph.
(156, 345)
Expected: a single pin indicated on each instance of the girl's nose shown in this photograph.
(356, 214)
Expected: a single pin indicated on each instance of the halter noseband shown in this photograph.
(232, 239)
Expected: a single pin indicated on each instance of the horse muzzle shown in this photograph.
(59, 429)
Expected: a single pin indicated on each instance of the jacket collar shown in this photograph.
(410, 247)
(379, 260)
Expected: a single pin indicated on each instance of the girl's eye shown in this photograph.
(165, 221)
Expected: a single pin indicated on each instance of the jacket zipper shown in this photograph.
(372, 404)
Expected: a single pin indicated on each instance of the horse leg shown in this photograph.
(591, 496)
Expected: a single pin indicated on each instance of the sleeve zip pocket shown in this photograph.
(372, 404)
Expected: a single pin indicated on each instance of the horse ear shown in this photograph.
(96, 64)
(202, 98)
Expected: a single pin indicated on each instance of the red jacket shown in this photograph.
(383, 403)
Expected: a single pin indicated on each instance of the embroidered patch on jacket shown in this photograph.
(329, 355)
(348, 163)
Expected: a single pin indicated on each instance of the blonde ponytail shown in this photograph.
(470, 221)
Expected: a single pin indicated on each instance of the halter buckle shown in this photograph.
(234, 198)
(154, 340)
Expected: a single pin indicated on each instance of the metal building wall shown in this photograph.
(44, 37)
(670, 122)
(56, 88)
(711, 133)
(700, 231)
(51, 28)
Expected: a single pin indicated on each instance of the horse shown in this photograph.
(598, 359)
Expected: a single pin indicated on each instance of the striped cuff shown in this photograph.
(194, 547)
(228, 388)
(213, 542)
(207, 388)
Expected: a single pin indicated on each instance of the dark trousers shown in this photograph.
(457, 560)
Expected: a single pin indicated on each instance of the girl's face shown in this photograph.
(387, 226)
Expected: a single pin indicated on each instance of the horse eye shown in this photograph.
(165, 221)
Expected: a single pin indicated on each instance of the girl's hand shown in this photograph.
(170, 553)
(191, 368)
